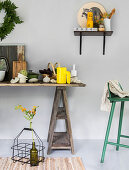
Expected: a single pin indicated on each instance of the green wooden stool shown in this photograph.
(113, 99)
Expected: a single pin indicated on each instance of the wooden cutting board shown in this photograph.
(12, 53)
(18, 66)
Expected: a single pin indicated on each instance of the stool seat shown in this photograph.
(113, 99)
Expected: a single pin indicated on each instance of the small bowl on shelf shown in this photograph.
(2, 75)
(101, 29)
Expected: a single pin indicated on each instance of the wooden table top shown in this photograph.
(39, 84)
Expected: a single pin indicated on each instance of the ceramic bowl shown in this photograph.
(21, 75)
(2, 75)
(14, 80)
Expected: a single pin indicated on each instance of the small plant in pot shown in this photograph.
(22, 76)
(3, 68)
(100, 23)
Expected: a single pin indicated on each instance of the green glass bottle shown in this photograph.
(34, 155)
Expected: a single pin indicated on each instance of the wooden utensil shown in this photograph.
(18, 66)
(112, 13)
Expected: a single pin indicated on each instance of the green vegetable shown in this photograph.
(24, 72)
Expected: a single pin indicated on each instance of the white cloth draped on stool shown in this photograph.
(115, 89)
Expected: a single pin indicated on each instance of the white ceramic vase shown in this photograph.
(2, 75)
(22, 78)
(107, 24)
(46, 79)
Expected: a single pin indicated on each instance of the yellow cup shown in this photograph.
(63, 75)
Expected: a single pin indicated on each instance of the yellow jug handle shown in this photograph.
(68, 76)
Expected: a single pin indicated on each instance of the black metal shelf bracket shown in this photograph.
(104, 41)
(80, 43)
(93, 33)
(104, 36)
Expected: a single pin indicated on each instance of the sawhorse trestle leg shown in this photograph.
(60, 140)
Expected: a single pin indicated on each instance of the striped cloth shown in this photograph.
(73, 163)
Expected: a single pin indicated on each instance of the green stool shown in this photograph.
(113, 99)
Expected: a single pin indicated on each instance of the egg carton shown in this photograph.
(85, 29)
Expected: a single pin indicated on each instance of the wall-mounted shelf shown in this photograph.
(93, 33)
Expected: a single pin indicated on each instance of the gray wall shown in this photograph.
(47, 32)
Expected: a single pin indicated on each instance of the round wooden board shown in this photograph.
(82, 20)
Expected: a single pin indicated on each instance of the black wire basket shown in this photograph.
(21, 150)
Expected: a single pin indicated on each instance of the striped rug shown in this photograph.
(74, 163)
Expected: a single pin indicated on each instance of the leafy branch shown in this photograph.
(10, 20)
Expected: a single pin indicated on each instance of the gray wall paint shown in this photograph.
(47, 32)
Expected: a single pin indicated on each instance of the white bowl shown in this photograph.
(21, 75)
(14, 80)
(22, 80)
(2, 75)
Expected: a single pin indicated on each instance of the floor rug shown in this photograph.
(74, 163)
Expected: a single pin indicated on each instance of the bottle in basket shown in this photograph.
(34, 155)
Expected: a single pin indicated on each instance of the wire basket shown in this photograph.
(21, 150)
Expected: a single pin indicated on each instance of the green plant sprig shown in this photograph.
(10, 19)
(28, 114)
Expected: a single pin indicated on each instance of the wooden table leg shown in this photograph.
(52, 115)
(60, 140)
(53, 120)
(68, 124)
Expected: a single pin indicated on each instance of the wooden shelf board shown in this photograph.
(61, 141)
(93, 33)
(61, 114)
(8, 84)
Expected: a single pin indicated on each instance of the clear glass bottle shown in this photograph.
(34, 155)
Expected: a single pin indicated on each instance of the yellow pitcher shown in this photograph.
(63, 75)
(89, 20)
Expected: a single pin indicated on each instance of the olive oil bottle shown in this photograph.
(34, 155)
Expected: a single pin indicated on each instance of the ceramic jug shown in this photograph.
(107, 24)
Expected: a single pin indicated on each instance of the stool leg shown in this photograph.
(120, 124)
(107, 131)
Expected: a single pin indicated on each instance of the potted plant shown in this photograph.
(101, 24)
(3, 67)
(22, 76)
(104, 22)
